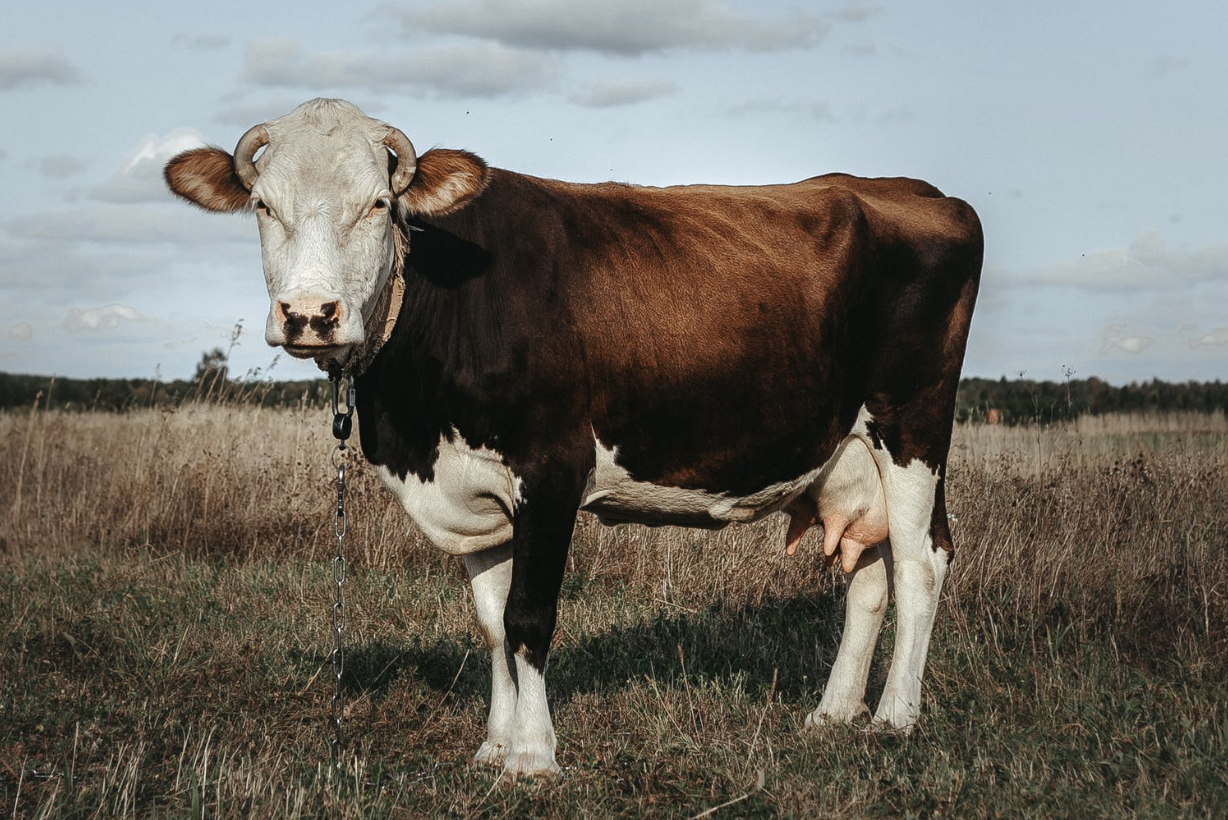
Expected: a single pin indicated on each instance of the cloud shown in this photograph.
(139, 179)
(35, 66)
(22, 332)
(860, 50)
(810, 110)
(857, 14)
(1217, 337)
(1148, 264)
(62, 166)
(1113, 340)
(120, 224)
(626, 28)
(621, 93)
(244, 115)
(101, 318)
(1167, 64)
(468, 70)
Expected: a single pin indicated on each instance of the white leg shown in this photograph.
(490, 575)
(533, 740)
(866, 604)
(918, 573)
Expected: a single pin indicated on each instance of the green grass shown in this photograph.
(1078, 669)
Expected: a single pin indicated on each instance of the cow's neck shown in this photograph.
(380, 325)
(452, 341)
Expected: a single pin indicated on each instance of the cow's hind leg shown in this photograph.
(919, 567)
(865, 605)
(490, 576)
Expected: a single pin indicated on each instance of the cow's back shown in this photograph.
(728, 334)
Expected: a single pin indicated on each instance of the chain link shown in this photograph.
(342, 422)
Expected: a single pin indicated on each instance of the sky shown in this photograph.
(1090, 138)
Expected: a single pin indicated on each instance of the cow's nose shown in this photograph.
(298, 314)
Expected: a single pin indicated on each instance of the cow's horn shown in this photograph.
(407, 160)
(245, 153)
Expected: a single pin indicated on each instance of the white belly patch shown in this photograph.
(468, 505)
(617, 498)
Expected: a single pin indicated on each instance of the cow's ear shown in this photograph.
(445, 182)
(206, 177)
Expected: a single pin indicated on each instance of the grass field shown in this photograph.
(165, 589)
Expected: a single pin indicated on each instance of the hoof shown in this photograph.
(492, 753)
(889, 724)
(896, 714)
(836, 715)
(531, 763)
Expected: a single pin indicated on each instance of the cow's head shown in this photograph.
(332, 190)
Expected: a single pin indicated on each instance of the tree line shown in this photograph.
(211, 384)
(1016, 401)
(1022, 401)
(122, 395)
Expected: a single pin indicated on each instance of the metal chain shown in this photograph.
(342, 424)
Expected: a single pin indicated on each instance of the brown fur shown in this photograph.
(445, 182)
(206, 177)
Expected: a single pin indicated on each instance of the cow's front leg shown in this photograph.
(544, 522)
(490, 576)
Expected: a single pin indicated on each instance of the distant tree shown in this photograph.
(212, 365)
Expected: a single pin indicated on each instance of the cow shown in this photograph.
(524, 348)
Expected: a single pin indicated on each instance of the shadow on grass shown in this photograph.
(794, 638)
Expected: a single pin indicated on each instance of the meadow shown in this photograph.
(166, 592)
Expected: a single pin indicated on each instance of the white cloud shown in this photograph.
(35, 66)
(109, 317)
(628, 28)
(1148, 264)
(469, 70)
(1113, 339)
(1217, 337)
(22, 332)
(139, 179)
(621, 93)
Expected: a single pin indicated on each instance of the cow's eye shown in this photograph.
(380, 206)
(263, 209)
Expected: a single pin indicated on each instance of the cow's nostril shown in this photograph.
(308, 320)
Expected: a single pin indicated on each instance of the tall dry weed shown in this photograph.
(1106, 523)
(235, 480)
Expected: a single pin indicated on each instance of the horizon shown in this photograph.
(248, 377)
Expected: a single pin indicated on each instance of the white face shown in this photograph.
(324, 208)
(326, 204)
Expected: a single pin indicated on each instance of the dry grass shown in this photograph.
(166, 586)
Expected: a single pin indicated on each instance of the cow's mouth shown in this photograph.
(317, 352)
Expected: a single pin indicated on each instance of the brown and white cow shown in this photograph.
(524, 348)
